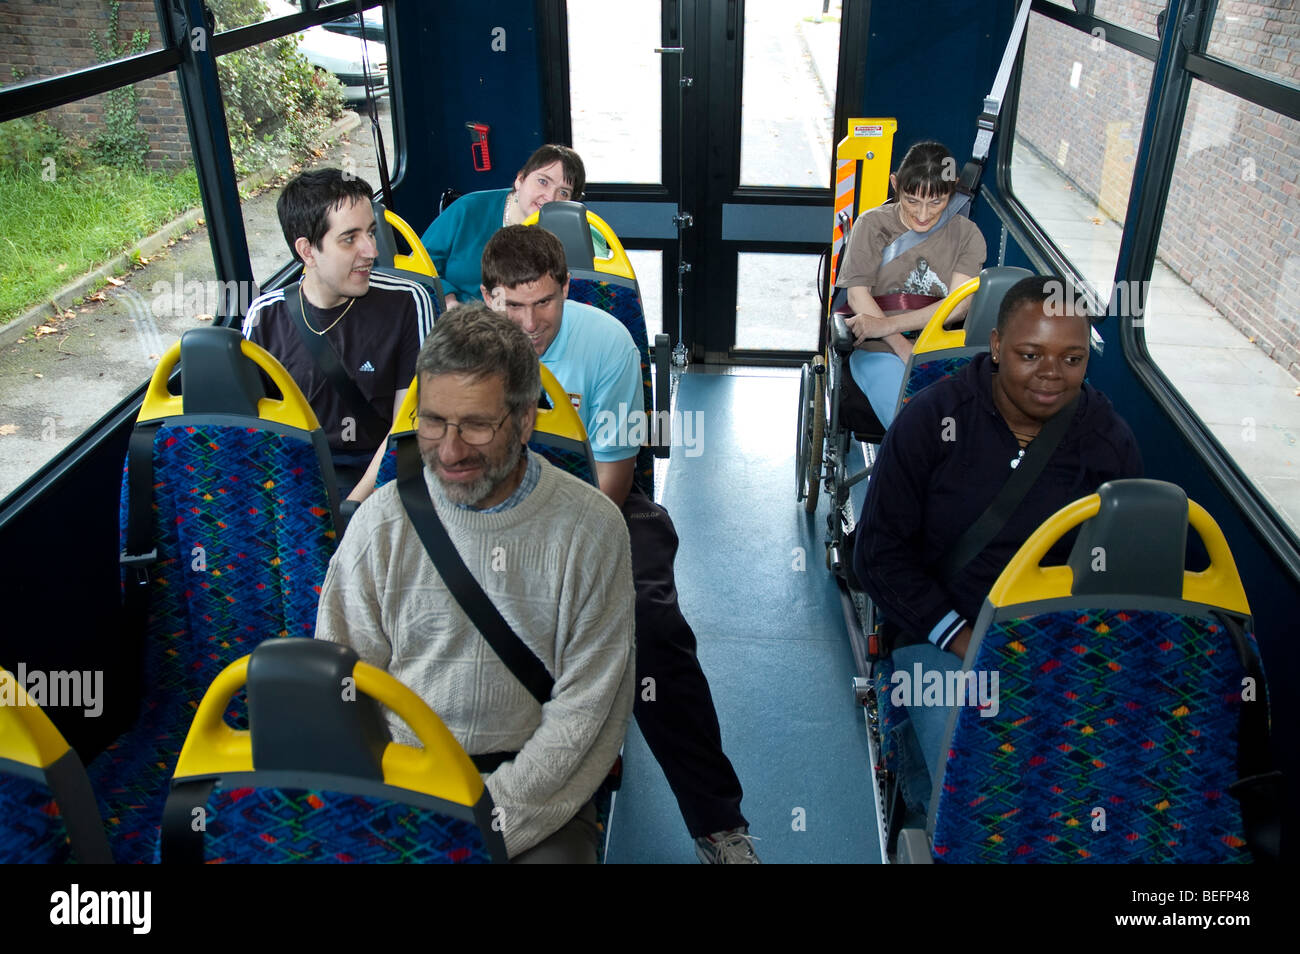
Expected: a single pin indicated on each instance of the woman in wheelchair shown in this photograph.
(948, 456)
(901, 261)
(456, 238)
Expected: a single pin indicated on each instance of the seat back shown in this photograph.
(315, 778)
(939, 352)
(389, 227)
(47, 808)
(239, 521)
(1129, 699)
(558, 434)
(610, 285)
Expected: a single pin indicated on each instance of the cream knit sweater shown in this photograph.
(558, 567)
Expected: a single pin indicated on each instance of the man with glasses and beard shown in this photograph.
(550, 552)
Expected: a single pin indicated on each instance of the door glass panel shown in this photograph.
(1139, 15)
(777, 307)
(649, 267)
(615, 89)
(788, 93)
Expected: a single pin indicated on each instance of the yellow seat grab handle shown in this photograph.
(1025, 580)
(441, 768)
(290, 409)
(618, 264)
(560, 419)
(26, 733)
(935, 337)
(419, 259)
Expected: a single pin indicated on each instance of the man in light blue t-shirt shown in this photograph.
(596, 361)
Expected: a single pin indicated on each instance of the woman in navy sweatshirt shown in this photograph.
(955, 444)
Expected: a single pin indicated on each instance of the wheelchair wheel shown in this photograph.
(810, 433)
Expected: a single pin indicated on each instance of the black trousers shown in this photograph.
(675, 712)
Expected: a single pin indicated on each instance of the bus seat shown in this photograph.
(316, 778)
(558, 434)
(228, 515)
(939, 352)
(47, 808)
(388, 226)
(1131, 705)
(610, 285)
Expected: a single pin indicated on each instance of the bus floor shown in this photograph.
(753, 584)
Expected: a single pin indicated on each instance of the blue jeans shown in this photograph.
(880, 376)
(928, 725)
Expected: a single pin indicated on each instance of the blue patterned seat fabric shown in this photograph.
(255, 501)
(928, 371)
(1134, 713)
(35, 832)
(281, 825)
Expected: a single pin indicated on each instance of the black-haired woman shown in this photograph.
(456, 238)
(902, 260)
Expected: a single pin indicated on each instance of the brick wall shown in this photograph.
(42, 38)
(1231, 228)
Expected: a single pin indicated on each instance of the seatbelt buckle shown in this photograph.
(139, 562)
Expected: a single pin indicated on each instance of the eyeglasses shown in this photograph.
(474, 433)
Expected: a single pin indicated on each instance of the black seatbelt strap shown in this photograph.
(987, 526)
(414, 493)
(329, 365)
(1258, 788)
(183, 829)
(140, 550)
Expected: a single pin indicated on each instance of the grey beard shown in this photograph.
(470, 494)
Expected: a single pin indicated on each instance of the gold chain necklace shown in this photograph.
(303, 308)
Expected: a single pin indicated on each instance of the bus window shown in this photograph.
(1137, 15)
(103, 220)
(72, 36)
(1255, 37)
(1077, 124)
(1220, 316)
(325, 122)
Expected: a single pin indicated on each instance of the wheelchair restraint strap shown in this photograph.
(519, 659)
(328, 362)
(905, 301)
(1258, 788)
(910, 240)
(981, 533)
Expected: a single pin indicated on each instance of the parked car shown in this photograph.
(351, 26)
(341, 55)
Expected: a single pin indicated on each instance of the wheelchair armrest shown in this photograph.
(841, 337)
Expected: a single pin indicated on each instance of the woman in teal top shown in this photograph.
(456, 238)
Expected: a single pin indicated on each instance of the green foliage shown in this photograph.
(122, 142)
(276, 103)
